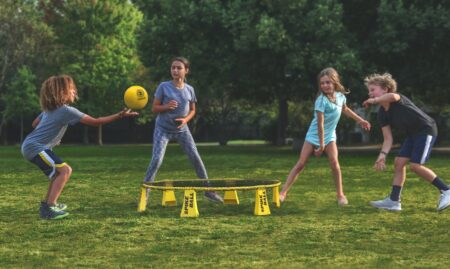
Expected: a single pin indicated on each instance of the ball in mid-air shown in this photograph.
(136, 97)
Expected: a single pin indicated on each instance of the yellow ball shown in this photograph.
(136, 97)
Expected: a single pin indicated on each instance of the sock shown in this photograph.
(395, 194)
(437, 182)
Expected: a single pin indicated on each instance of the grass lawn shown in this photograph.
(309, 230)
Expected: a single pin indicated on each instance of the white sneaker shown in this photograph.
(387, 204)
(444, 201)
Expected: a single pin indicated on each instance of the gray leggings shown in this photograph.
(160, 141)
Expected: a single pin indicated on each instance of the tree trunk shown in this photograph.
(282, 121)
(21, 128)
(86, 135)
(3, 129)
(5, 134)
(100, 135)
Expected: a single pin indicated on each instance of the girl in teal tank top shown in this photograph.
(321, 136)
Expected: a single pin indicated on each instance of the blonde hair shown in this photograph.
(56, 91)
(384, 81)
(334, 77)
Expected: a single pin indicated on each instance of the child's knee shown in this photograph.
(334, 164)
(299, 167)
(65, 170)
(415, 167)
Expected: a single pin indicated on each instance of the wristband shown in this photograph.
(384, 153)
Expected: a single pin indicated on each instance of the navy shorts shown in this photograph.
(417, 148)
(47, 161)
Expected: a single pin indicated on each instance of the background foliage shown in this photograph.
(258, 55)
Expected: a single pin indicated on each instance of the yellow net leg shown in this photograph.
(168, 198)
(276, 196)
(231, 198)
(261, 203)
(189, 208)
(142, 205)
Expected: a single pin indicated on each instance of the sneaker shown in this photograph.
(213, 196)
(342, 200)
(51, 212)
(387, 204)
(444, 201)
(60, 206)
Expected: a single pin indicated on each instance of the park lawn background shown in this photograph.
(104, 229)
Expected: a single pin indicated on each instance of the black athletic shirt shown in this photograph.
(406, 117)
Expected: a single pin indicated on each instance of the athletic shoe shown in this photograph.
(60, 206)
(213, 196)
(51, 212)
(444, 201)
(342, 200)
(387, 204)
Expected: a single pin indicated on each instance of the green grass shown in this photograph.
(309, 230)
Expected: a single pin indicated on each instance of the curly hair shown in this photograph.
(56, 91)
(384, 81)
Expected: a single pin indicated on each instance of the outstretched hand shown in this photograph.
(126, 112)
(368, 102)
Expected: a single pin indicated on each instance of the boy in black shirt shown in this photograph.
(398, 112)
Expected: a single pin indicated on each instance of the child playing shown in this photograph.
(321, 135)
(57, 93)
(398, 112)
(175, 104)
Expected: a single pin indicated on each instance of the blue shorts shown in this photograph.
(417, 148)
(47, 161)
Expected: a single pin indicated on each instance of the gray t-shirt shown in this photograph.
(50, 130)
(167, 91)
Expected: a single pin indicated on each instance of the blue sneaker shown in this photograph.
(213, 196)
(51, 212)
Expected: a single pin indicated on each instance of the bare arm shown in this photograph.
(35, 122)
(380, 163)
(351, 114)
(385, 98)
(158, 107)
(88, 120)
(320, 132)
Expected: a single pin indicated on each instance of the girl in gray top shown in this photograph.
(57, 93)
(175, 105)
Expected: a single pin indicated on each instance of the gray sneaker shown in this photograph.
(213, 196)
(387, 204)
(444, 201)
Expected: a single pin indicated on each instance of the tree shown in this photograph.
(21, 98)
(193, 29)
(411, 41)
(282, 45)
(24, 38)
(97, 42)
